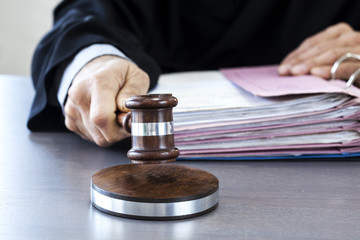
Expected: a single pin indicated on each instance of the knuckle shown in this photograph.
(100, 141)
(319, 48)
(80, 101)
(101, 82)
(310, 42)
(144, 75)
(296, 59)
(333, 54)
(98, 79)
(338, 28)
(112, 139)
(145, 80)
(76, 96)
(353, 38)
(69, 110)
(98, 119)
(72, 91)
(342, 26)
(120, 135)
(70, 124)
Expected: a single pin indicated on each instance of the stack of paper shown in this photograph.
(252, 113)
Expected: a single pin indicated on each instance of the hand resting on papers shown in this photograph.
(317, 54)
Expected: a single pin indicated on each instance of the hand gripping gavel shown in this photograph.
(152, 188)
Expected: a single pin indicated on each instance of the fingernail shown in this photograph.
(299, 69)
(284, 69)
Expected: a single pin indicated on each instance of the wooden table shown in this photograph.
(45, 186)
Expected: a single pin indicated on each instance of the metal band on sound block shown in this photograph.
(155, 191)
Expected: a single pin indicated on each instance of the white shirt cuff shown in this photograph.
(80, 60)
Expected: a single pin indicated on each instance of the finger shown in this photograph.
(317, 42)
(77, 107)
(72, 125)
(74, 121)
(327, 53)
(326, 58)
(95, 134)
(124, 120)
(328, 34)
(324, 53)
(343, 72)
(322, 71)
(137, 82)
(103, 109)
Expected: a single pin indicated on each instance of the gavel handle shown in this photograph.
(124, 120)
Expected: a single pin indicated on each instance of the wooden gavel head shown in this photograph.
(150, 123)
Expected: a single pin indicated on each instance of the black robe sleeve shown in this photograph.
(78, 24)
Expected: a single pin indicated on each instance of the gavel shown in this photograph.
(151, 128)
(153, 187)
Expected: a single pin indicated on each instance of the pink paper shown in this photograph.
(266, 82)
(283, 148)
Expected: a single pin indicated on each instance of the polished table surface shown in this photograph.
(45, 190)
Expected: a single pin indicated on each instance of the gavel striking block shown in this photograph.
(151, 187)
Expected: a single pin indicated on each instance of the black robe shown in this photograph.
(176, 35)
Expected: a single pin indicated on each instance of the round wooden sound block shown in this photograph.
(154, 191)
